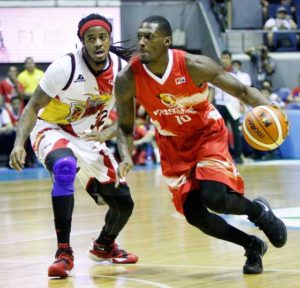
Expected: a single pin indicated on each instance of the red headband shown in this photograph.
(92, 23)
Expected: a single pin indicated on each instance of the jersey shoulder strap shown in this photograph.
(73, 64)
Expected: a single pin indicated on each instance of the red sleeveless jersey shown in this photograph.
(189, 127)
(191, 134)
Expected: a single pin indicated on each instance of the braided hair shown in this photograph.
(122, 52)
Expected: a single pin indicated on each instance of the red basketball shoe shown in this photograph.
(112, 253)
(64, 262)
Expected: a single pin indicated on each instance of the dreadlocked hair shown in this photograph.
(122, 52)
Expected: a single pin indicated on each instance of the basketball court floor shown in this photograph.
(172, 254)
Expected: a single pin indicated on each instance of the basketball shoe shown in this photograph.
(272, 226)
(254, 253)
(112, 253)
(64, 262)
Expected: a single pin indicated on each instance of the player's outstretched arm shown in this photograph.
(202, 68)
(124, 91)
(38, 100)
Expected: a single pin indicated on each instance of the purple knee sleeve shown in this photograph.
(64, 171)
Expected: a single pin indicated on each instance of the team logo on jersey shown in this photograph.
(92, 105)
(168, 99)
(180, 80)
(76, 111)
(80, 78)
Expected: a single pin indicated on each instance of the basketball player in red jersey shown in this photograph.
(192, 138)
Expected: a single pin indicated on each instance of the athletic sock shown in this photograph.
(238, 237)
(63, 210)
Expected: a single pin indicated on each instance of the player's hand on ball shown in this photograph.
(265, 127)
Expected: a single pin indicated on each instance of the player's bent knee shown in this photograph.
(214, 195)
(120, 200)
(63, 167)
(107, 193)
(64, 172)
(126, 205)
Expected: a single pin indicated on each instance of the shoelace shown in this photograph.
(118, 251)
(114, 249)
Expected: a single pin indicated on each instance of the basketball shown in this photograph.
(265, 127)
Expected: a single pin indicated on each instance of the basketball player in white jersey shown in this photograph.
(73, 97)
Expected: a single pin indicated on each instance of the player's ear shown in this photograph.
(168, 41)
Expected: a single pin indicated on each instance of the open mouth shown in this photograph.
(99, 53)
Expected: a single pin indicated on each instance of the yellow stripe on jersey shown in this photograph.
(56, 112)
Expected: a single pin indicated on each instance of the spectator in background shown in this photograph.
(139, 156)
(148, 140)
(15, 110)
(272, 97)
(11, 87)
(30, 78)
(242, 76)
(230, 107)
(266, 3)
(264, 65)
(282, 22)
(293, 100)
(142, 136)
(5, 122)
(7, 134)
(219, 7)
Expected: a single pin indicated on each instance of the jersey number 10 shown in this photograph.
(182, 119)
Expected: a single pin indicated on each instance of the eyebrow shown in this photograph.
(96, 33)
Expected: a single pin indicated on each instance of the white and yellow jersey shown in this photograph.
(82, 99)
